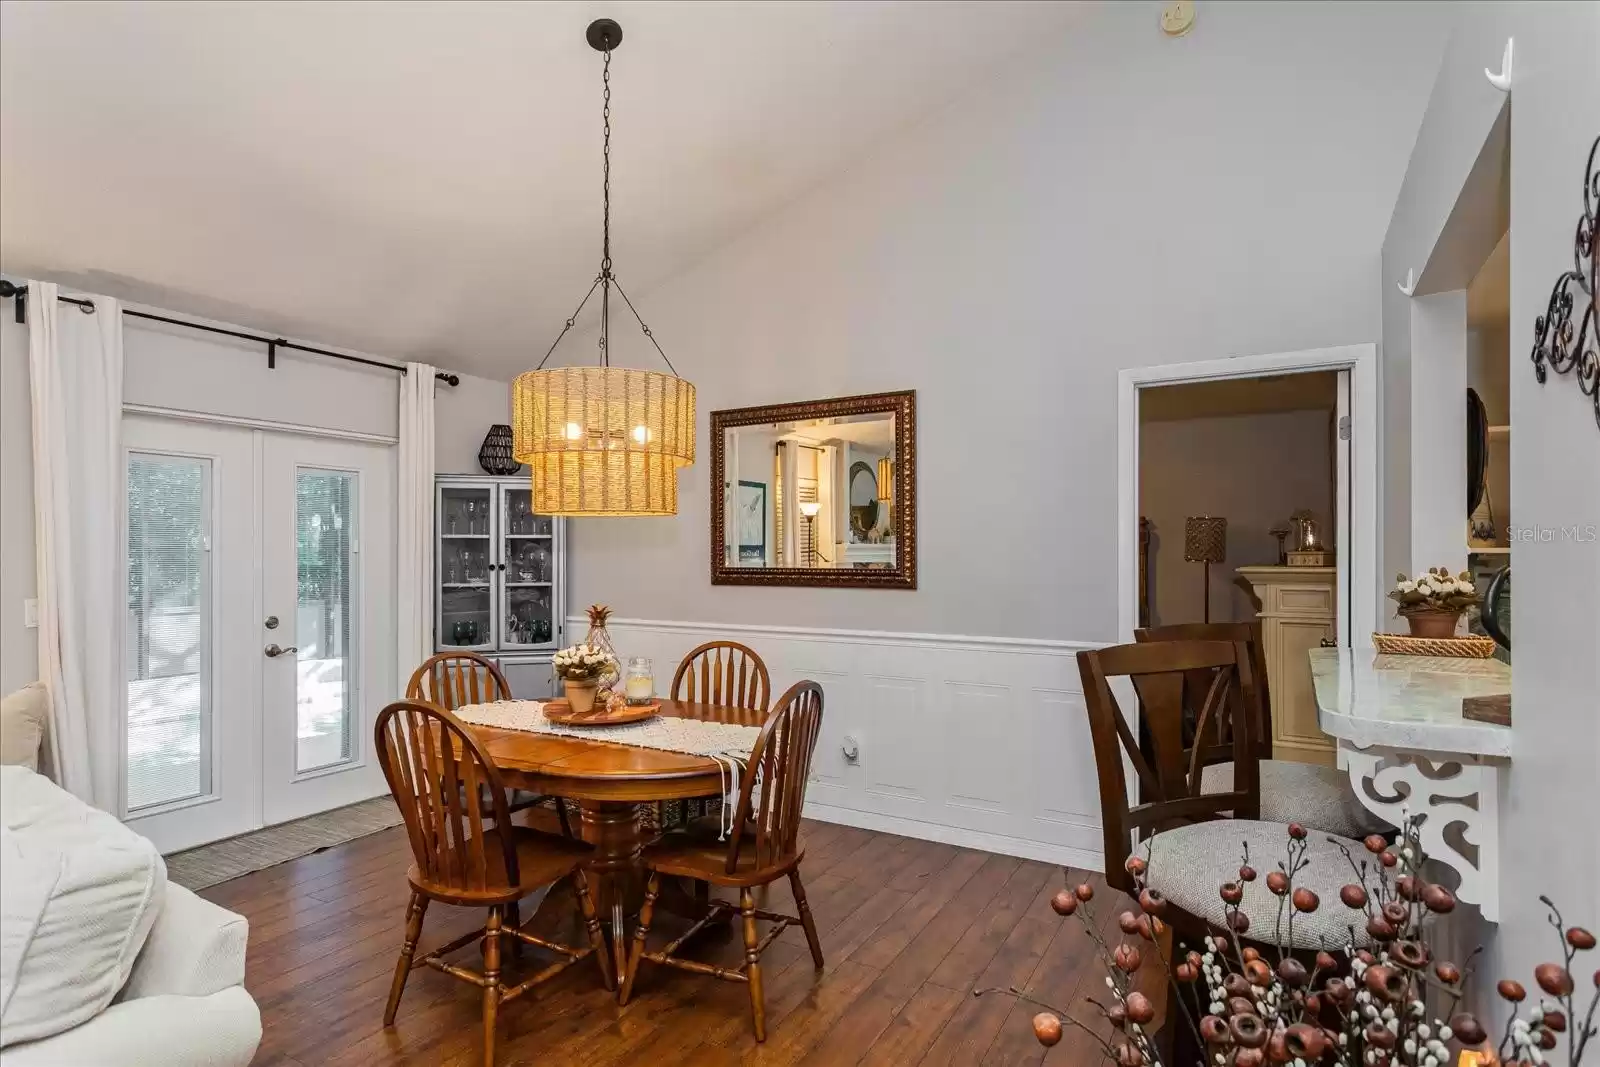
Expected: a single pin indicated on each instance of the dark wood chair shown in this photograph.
(764, 846)
(1196, 840)
(1291, 791)
(723, 672)
(444, 782)
(454, 679)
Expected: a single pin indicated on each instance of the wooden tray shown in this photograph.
(559, 711)
(1471, 647)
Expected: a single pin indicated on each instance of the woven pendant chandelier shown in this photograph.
(602, 440)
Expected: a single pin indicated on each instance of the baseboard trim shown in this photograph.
(951, 642)
(1065, 855)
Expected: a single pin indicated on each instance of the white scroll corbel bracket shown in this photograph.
(1408, 286)
(1501, 81)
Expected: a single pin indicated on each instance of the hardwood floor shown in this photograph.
(909, 929)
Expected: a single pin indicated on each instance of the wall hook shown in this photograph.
(1408, 286)
(1501, 81)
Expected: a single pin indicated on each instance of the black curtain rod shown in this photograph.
(272, 343)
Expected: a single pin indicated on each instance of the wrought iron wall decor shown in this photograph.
(1556, 343)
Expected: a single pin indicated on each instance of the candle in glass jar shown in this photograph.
(639, 686)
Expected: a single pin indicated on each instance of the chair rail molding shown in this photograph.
(958, 739)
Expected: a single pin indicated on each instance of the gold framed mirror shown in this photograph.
(822, 492)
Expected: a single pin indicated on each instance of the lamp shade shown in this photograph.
(603, 440)
(1205, 539)
(886, 480)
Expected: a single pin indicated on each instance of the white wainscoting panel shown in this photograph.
(974, 741)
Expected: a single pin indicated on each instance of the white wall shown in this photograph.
(1254, 470)
(1438, 432)
(1556, 629)
(462, 416)
(1113, 199)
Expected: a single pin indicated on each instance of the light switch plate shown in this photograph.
(30, 613)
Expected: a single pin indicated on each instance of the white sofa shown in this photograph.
(183, 1003)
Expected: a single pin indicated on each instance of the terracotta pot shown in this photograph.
(581, 695)
(1431, 622)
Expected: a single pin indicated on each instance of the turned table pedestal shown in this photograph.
(609, 782)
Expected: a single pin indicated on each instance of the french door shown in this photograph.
(260, 626)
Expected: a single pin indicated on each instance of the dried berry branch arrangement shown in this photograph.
(1390, 1003)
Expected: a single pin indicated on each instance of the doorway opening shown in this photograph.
(1306, 421)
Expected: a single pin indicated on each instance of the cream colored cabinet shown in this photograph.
(1298, 609)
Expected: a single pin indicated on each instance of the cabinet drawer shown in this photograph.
(1312, 601)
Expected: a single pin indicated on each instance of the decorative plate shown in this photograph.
(560, 711)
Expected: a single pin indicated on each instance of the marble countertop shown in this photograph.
(1407, 702)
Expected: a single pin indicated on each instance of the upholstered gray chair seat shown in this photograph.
(1318, 797)
(1189, 864)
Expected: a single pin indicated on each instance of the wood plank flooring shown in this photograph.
(909, 929)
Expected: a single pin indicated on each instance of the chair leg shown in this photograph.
(752, 961)
(561, 814)
(805, 917)
(415, 909)
(514, 922)
(646, 913)
(591, 920)
(491, 983)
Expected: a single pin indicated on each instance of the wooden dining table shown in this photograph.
(610, 781)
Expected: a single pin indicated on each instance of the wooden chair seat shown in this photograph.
(1308, 793)
(764, 847)
(467, 852)
(542, 858)
(699, 855)
(1189, 863)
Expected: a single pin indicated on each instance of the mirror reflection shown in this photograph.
(812, 493)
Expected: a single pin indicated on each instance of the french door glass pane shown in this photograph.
(325, 503)
(169, 629)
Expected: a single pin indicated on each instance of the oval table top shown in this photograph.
(580, 769)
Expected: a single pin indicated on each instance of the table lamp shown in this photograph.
(1205, 540)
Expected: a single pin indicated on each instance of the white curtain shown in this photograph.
(415, 542)
(75, 373)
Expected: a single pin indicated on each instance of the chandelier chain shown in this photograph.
(605, 185)
(605, 279)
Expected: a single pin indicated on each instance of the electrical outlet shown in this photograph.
(30, 613)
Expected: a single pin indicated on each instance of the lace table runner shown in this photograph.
(669, 733)
(727, 743)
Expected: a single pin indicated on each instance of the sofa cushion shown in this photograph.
(23, 715)
(78, 894)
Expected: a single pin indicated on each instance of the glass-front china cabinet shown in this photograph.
(501, 578)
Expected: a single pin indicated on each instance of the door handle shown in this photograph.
(273, 651)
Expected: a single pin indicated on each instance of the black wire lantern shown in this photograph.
(495, 455)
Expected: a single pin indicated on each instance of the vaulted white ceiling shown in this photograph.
(422, 179)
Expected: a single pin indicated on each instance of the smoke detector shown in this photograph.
(1177, 18)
